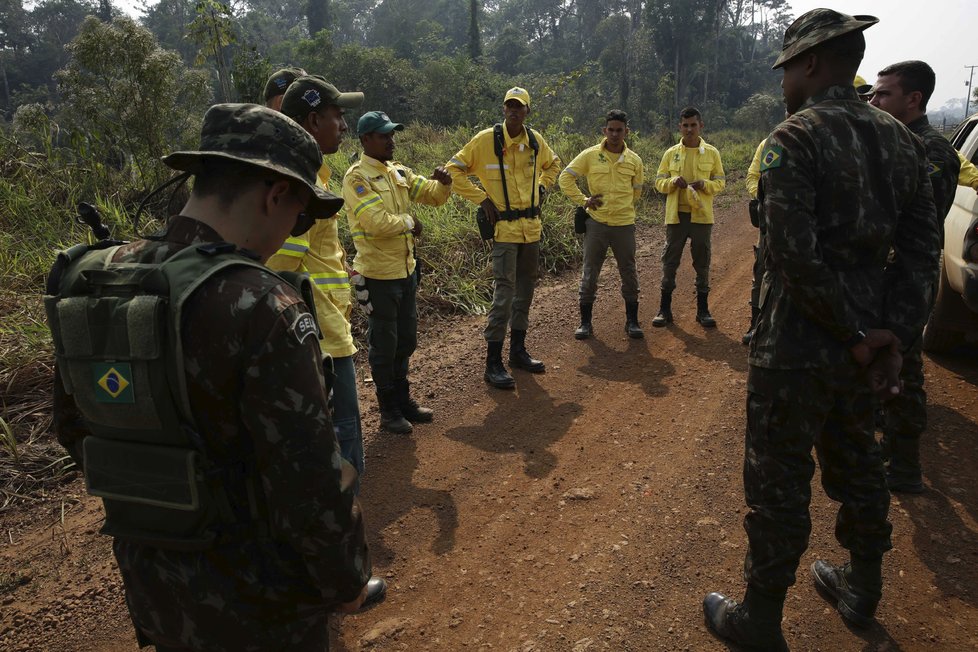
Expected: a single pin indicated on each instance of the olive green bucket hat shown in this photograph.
(256, 135)
(818, 26)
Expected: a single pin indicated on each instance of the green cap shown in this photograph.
(256, 135)
(280, 80)
(377, 121)
(312, 92)
(816, 27)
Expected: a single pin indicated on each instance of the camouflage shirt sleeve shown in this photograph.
(914, 263)
(309, 488)
(792, 231)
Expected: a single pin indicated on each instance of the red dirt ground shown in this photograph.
(592, 509)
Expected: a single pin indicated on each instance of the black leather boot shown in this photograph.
(754, 625)
(903, 474)
(585, 330)
(749, 335)
(665, 310)
(409, 407)
(496, 374)
(703, 316)
(631, 320)
(518, 355)
(854, 588)
(391, 418)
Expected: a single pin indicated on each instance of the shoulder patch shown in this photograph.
(771, 157)
(303, 326)
(933, 169)
(360, 189)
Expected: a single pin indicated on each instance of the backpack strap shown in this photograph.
(497, 145)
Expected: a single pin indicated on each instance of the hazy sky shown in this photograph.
(940, 32)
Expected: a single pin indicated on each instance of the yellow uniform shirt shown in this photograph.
(319, 253)
(378, 196)
(969, 173)
(708, 167)
(754, 171)
(478, 158)
(618, 178)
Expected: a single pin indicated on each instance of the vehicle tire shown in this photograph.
(936, 338)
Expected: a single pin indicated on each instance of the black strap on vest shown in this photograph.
(498, 145)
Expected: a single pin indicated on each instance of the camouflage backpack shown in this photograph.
(116, 330)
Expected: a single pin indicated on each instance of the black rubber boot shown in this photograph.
(854, 588)
(518, 355)
(631, 320)
(665, 310)
(391, 418)
(749, 335)
(903, 474)
(409, 407)
(703, 316)
(754, 625)
(585, 330)
(496, 374)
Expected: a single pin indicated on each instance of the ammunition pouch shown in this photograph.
(486, 228)
(754, 209)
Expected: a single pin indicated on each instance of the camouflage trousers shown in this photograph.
(788, 413)
(906, 414)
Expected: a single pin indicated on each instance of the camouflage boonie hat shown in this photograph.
(818, 26)
(256, 135)
(279, 82)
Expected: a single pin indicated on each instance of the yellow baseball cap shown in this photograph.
(517, 93)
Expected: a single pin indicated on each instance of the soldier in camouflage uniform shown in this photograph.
(902, 90)
(841, 185)
(256, 391)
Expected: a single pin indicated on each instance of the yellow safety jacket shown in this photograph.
(319, 253)
(378, 196)
(478, 158)
(969, 173)
(708, 167)
(754, 171)
(618, 178)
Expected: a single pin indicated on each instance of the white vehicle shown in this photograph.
(954, 319)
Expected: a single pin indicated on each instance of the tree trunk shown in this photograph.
(475, 40)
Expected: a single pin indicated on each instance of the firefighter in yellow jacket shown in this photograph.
(378, 193)
(511, 162)
(690, 174)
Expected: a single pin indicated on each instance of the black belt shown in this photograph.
(528, 213)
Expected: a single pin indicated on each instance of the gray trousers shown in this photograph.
(514, 272)
(597, 239)
(672, 253)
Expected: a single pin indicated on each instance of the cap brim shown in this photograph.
(348, 100)
(321, 205)
(518, 99)
(865, 89)
(389, 127)
(858, 23)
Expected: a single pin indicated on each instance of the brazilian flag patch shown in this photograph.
(771, 157)
(113, 382)
(933, 169)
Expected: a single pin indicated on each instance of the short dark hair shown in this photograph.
(228, 180)
(913, 76)
(616, 114)
(691, 112)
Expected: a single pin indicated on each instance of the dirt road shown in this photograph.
(592, 509)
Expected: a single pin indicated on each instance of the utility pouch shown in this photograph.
(580, 220)
(486, 228)
(154, 495)
(754, 208)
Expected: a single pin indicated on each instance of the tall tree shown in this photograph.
(475, 40)
(213, 31)
(318, 16)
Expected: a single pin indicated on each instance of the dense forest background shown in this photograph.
(442, 62)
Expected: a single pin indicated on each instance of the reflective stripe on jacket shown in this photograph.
(708, 168)
(478, 158)
(378, 198)
(618, 178)
(319, 253)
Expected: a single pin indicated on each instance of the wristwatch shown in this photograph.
(855, 339)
